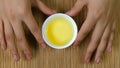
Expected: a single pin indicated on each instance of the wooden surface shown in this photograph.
(66, 58)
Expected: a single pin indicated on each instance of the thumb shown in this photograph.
(42, 7)
(76, 8)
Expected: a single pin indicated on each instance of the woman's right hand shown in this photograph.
(12, 14)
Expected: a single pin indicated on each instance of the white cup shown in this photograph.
(63, 16)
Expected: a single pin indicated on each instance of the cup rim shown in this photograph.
(64, 16)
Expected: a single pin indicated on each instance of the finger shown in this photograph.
(109, 46)
(103, 43)
(87, 26)
(2, 37)
(77, 7)
(96, 36)
(10, 39)
(20, 36)
(42, 7)
(35, 30)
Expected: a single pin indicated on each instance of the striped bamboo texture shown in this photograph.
(66, 58)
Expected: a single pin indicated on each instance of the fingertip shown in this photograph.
(54, 11)
(3, 45)
(109, 49)
(50, 12)
(76, 8)
(70, 13)
(87, 57)
(45, 9)
(74, 45)
(97, 60)
(16, 57)
(87, 60)
(43, 45)
(29, 56)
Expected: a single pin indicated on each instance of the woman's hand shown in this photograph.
(12, 14)
(100, 20)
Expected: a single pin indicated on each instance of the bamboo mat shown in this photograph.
(66, 58)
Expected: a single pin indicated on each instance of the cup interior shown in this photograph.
(45, 25)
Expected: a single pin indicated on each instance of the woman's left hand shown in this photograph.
(99, 20)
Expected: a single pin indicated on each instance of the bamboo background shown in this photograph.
(66, 58)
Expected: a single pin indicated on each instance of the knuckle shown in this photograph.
(100, 51)
(35, 30)
(94, 41)
(77, 41)
(0, 40)
(105, 39)
(13, 50)
(40, 40)
(111, 40)
(0, 21)
(113, 31)
(20, 39)
(90, 51)
(97, 13)
(22, 12)
(12, 16)
(84, 32)
(8, 36)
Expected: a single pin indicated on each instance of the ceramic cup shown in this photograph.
(46, 22)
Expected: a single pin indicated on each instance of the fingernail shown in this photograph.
(43, 45)
(54, 11)
(109, 48)
(68, 12)
(74, 46)
(16, 57)
(97, 60)
(29, 57)
(87, 60)
(3, 46)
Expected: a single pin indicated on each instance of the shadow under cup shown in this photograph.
(59, 31)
